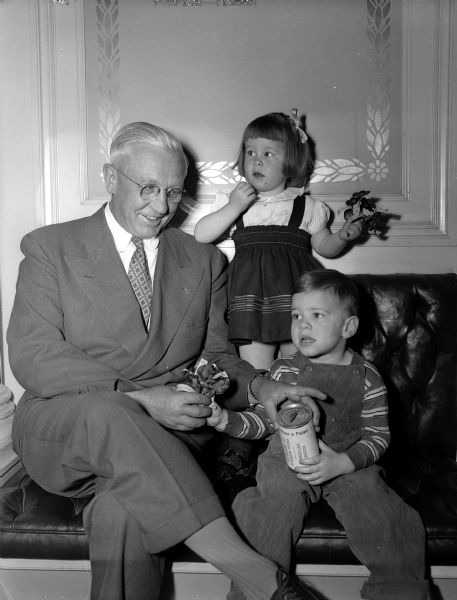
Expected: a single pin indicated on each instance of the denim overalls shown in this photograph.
(384, 533)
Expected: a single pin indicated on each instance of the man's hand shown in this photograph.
(183, 411)
(272, 393)
(325, 466)
(242, 196)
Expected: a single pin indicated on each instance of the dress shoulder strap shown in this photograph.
(298, 211)
(239, 223)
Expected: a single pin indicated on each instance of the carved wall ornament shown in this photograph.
(108, 69)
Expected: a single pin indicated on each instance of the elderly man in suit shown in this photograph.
(109, 310)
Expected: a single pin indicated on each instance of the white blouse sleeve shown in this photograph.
(222, 198)
(316, 215)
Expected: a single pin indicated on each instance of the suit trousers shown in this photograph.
(384, 533)
(150, 492)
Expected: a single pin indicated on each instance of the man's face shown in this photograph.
(320, 326)
(145, 165)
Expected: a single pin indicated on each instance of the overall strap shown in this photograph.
(298, 211)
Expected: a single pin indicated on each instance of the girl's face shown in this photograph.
(264, 165)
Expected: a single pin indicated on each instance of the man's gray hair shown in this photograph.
(144, 133)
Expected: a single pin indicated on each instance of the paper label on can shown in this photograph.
(300, 441)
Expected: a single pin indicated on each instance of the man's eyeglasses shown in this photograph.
(149, 191)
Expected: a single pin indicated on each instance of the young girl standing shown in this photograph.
(275, 227)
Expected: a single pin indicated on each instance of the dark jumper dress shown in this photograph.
(268, 260)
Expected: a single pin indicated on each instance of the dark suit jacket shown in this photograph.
(76, 325)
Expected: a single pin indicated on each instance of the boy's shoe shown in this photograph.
(291, 588)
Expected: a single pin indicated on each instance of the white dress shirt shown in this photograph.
(125, 246)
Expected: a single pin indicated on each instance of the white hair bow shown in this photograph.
(295, 121)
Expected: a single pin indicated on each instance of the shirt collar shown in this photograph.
(302, 361)
(288, 194)
(122, 237)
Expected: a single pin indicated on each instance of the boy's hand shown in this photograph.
(271, 393)
(351, 229)
(218, 417)
(243, 195)
(325, 466)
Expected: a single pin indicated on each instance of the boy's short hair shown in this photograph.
(333, 281)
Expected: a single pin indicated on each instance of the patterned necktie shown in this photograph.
(140, 279)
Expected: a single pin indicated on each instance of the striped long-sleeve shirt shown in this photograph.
(373, 437)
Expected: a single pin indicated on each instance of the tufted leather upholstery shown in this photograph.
(37, 524)
(409, 330)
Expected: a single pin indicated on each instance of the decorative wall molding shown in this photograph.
(436, 90)
(424, 199)
(46, 83)
(62, 106)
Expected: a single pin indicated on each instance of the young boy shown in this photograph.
(383, 532)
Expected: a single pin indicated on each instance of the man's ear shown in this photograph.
(350, 326)
(110, 178)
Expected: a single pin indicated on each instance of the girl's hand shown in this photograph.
(325, 466)
(243, 195)
(351, 230)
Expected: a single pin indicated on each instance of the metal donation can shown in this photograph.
(298, 435)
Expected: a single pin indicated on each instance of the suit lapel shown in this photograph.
(176, 280)
(103, 278)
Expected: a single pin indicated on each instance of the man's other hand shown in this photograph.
(183, 411)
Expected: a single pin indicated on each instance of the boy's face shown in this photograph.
(321, 324)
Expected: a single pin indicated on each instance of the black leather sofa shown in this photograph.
(409, 330)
